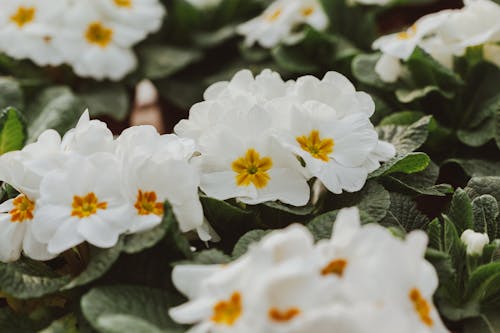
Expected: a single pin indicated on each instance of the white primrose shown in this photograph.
(24, 171)
(277, 22)
(82, 202)
(240, 159)
(156, 168)
(297, 286)
(27, 29)
(474, 241)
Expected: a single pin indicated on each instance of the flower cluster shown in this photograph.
(363, 279)
(277, 23)
(91, 187)
(261, 139)
(95, 37)
(443, 35)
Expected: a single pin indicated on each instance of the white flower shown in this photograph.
(82, 202)
(157, 168)
(474, 241)
(334, 149)
(239, 159)
(27, 28)
(277, 22)
(371, 2)
(143, 16)
(204, 3)
(95, 46)
(388, 68)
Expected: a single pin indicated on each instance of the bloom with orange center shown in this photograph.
(147, 203)
(87, 205)
(227, 312)
(252, 169)
(316, 146)
(23, 16)
(23, 209)
(98, 34)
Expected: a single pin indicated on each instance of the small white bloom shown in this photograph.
(277, 22)
(388, 68)
(82, 202)
(27, 29)
(474, 241)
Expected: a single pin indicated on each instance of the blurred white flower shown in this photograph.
(301, 287)
(204, 3)
(474, 241)
(388, 68)
(277, 22)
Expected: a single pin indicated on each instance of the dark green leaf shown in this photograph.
(109, 99)
(11, 93)
(403, 213)
(11, 322)
(210, 257)
(246, 240)
(461, 211)
(485, 211)
(477, 168)
(408, 164)
(321, 226)
(406, 139)
(159, 61)
(67, 324)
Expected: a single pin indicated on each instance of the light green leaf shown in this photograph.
(408, 164)
(159, 61)
(402, 118)
(497, 123)
(109, 99)
(118, 304)
(410, 95)
(27, 278)
(482, 279)
(12, 130)
(434, 231)
(406, 139)
(363, 69)
(321, 226)
(246, 240)
(119, 323)
(210, 257)
(55, 107)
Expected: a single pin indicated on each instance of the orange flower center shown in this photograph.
(271, 17)
(87, 205)
(336, 267)
(421, 306)
(123, 3)
(283, 316)
(99, 34)
(252, 169)
(147, 204)
(307, 11)
(23, 209)
(227, 312)
(317, 147)
(412, 31)
(23, 16)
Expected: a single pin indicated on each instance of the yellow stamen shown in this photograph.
(23, 209)
(271, 17)
(23, 16)
(307, 11)
(251, 169)
(283, 316)
(317, 147)
(99, 34)
(146, 204)
(87, 205)
(123, 3)
(422, 307)
(336, 267)
(227, 312)
(412, 31)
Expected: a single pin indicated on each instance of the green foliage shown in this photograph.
(109, 99)
(12, 130)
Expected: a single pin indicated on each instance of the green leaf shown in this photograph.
(460, 212)
(12, 130)
(246, 240)
(406, 139)
(118, 305)
(27, 278)
(109, 99)
(487, 323)
(66, 324)
(159, 61)
(293, 60)
(11, 322)
(402, 118)
(55, 107)
(479, 135)
(11, 93)
(434, 231)
(100, 262)
(485, 211)
(482, 279)
(321, 226)
(403, 213)
(484, 185)
(410, 95)
(210, 257)
(477, 168)
(363, 69)
(408, 164)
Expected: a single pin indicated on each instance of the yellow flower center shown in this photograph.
(422, 307)
(307, 11)
(271, 17)
(227, 312)
(251, 169)
(123, 3)
(317, 147)
(336, 267)
(412, 31)
(98, 34)
(87, 205)
(146, 204)
(23, 16)
(23, 209)
(283, 316)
